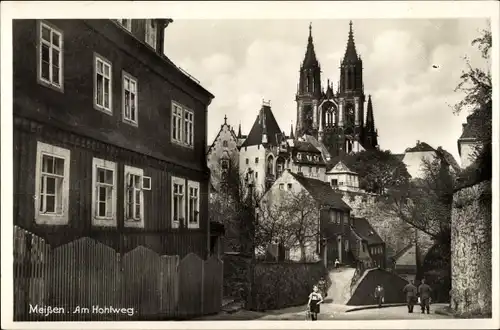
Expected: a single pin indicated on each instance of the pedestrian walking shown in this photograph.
(322, 287)
(337, 263)
(315, 299)
(411, 295)
(379, 295)
(424, 293)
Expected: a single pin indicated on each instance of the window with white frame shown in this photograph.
(50, 62)
(176, 122)
(188, 127)
(182, 125)
(151, 32)
(102, 83)
(282, 186)
(126, 23)
(52, 185)
(135, 185)
(129, 99)
(178, 200)
(104, 192)
(193, 204)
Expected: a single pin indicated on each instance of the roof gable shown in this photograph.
(364, 229)
(322, 192)
(340, 167)
(231, 132)
(420, 147)
(264, 123)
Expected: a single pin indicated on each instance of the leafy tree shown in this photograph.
(476, 85)
(378, 170)
(289, 221)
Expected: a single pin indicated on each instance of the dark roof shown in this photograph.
(399, 156)
(322, 192)
(448, 158)
(265, 121)
(366, 231)
(304, 146)
(402, 251)
(420, 147)
(472, 129)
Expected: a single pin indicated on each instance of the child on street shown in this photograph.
(315, 298)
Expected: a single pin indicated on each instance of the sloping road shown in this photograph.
(340, 290)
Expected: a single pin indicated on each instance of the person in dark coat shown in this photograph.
(424, 292)
(315, 299)
(379, 295)
(411, 292)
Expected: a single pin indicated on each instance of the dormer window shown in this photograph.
(151, 32)
(126, 24)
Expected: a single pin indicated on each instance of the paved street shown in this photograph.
(338, 313)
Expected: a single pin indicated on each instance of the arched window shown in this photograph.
(270, 165)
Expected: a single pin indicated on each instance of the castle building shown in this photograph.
(336, 119)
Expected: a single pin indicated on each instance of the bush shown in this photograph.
(281, 285)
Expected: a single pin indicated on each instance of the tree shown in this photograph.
(378, 170)
(476, 85)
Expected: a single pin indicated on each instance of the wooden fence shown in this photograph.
(87, 280)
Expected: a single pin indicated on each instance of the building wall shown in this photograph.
(251, 153)
(156, 233)
(414, 161)
(409, 258)
(471, 244)
(67, 118)
(467, 150)
(218, 151)
(276, 196)
(345, 181)
(74, 108)
(304, 169)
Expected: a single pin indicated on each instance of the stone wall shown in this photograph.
(471, 250)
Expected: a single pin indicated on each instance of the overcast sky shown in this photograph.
(242, 62)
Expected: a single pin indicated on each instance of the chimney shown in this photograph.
(162, 25)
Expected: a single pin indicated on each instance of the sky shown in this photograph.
(243, 62)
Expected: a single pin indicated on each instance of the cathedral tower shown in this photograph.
(308, 91)
(351, 90)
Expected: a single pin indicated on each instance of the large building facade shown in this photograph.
(337, 119)
(109, 137)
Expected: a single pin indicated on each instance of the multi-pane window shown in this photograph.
(224, 144)
(176, 123)
(182, 125)
(52, 177)
(129, 99)
(151, 33)
(193, 205)
(178, 205)
(126, 23)
(52, 184)
(282, 186)
(188, 127)
(247, 161)
(104, 193)
(256, 160)
(135, 185)
(50, 56)
(102, 83)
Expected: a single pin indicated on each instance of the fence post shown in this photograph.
(202, 287)
(26, 273)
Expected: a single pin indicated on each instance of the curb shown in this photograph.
(355, 309)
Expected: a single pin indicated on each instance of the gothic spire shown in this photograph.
(291, 132)
(350, 53)
(370, 121)
(310, 60)
(239, 132)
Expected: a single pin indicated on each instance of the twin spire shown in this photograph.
(310, 59)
